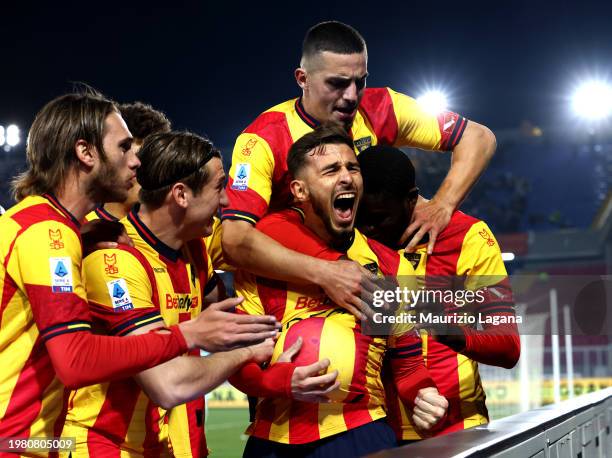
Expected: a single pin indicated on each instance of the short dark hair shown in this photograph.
(143, 120)
(170, 157)
(387, 171)
(325, 134)
(56, 129)
(332, 36)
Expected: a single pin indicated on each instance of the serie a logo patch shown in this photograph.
(61, 275)
(119, 295)
(241, 180)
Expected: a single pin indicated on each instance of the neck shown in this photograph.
(309, 107)
(74, 196)
(164, 223)
(117, 209)
(313, 222)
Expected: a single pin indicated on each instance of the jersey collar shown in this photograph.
(56, 203)
(149, 237)
(309, 120)
(104, 214)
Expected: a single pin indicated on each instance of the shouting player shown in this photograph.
(162, 279)
(465, 249)
(332, 76)
(79, 153)
(327, 184)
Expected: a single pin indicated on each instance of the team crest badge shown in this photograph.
(413, 258)
(372, 267)
(56, 239)
(111, 264)
(248, 147)
(485, 235)
(363, 143)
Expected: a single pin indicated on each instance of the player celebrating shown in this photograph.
(142, 120)
(328, 187)
(78, 153)
(466, 248)
(163, 278)
(332, 76)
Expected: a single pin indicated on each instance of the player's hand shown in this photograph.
(262, 352)
(307, 384)
(429, 408)
(428, 217)
(217, 328)
(349, 286)
(101, 234)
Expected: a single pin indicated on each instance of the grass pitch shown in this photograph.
(225, 431)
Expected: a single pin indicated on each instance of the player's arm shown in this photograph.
(284, 379)
(188, 377)
(413, 383)
(495, 344)
(249, 190)
(472, 147)
(57, 296)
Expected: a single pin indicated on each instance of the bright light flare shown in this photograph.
(12, 135)
(508, 257)
(2, 136)
(593, 100)
(433, 102)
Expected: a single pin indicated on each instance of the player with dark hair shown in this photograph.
(299, 420)
(332, 76)
(142, 120)
(79, 153)
(465, 249)
(163, 280)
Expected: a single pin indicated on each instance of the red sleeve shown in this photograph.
(495, 344)
(286, 228)
(82, 358)
(408, 368)
(274, 381)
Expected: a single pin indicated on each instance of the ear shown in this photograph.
(299, 190)
(301, 77)
(85, 153)
(179, 193)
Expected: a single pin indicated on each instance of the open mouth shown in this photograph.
(344, 205)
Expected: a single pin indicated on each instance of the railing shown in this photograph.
(577, 428)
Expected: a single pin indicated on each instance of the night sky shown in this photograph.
(213, 67)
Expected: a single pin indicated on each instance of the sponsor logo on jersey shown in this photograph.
(181, 302)
(241, 180)
(485, 235)
(111, 261)
(61, 275)
(248, 147)
(56, 239)
(120, 295)
(307, 302)
(372, 267)
(159, 270)
(363, 143)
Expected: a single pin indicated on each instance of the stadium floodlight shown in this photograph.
(12, 135)
(2, 136)
(508, 257)
(592, 100)
(433, 101)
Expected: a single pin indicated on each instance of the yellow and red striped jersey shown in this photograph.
(128, 288)
(361, 398)
(215, 250)
(258, 177)
(42, 296)
(467, 248)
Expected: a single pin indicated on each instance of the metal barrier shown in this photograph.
(577, 428)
